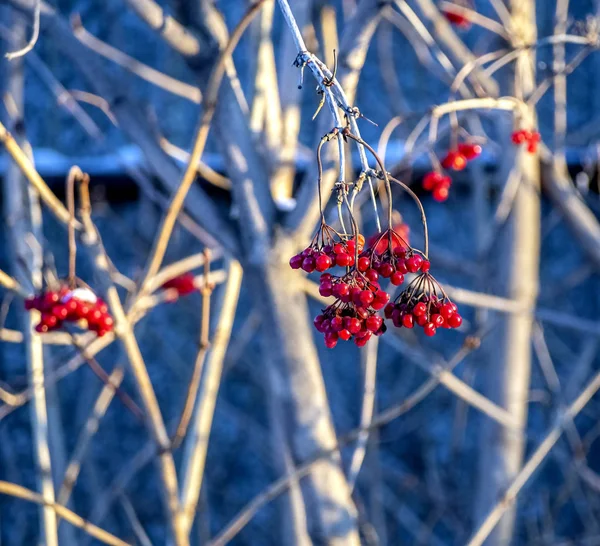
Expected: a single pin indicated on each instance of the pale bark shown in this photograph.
(517, 273)
(298, 385)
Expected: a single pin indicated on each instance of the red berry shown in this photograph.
(470, 151)
(518, 137)
(382, 296)
(339, 248)
(366, 297)
(532, 147)
(325, 289)
(425, 266)
(429, 329)
(440, 194)
(331, 339)
(448, 161)
(431, 180)
(447, 310)
(386, 270)
(397, 278)
(408, 321)
(296, 261)
(323, 262)
(49, 320)
(337, 323)
(341, 289)
(344, 334)
(374, 323)
(413, 264)
(318, 323)
(372, 275)
(420, 309)
(343, 259)
(60, 312)
(455, 321)
(389, 309)
(364, 263)
(352, 325)
(50, 298)
(437, 320)
(41, 328)
(308, 264)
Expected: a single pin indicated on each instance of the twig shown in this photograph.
(172, 85)
(21, 159)
(14, 490)
(280, 485)
(168, 223)
(88, 431)
(534, 462)
(190, 398)
(34, 35)
(197, 443)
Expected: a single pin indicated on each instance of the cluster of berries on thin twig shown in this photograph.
(78, 305)
(358, 293)
(327, 249)
(425, 304)
(530, 138)
(456, 160)
(353, 314)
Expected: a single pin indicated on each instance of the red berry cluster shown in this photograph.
(183, 284)
(530, 138)
(327, 249)
(458, 19)
(390, 257)
(438, 184)
(458, 158)
(353, 314)
(423, 303)
(66, 305)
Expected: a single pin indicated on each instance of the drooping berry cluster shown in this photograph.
(424, 304)
(353, 314)
(391, 257)
(79, 305)
(457, 159)
(327, 249)
(183, 285)
(530, 138)
(439, 184)
(456, 17)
